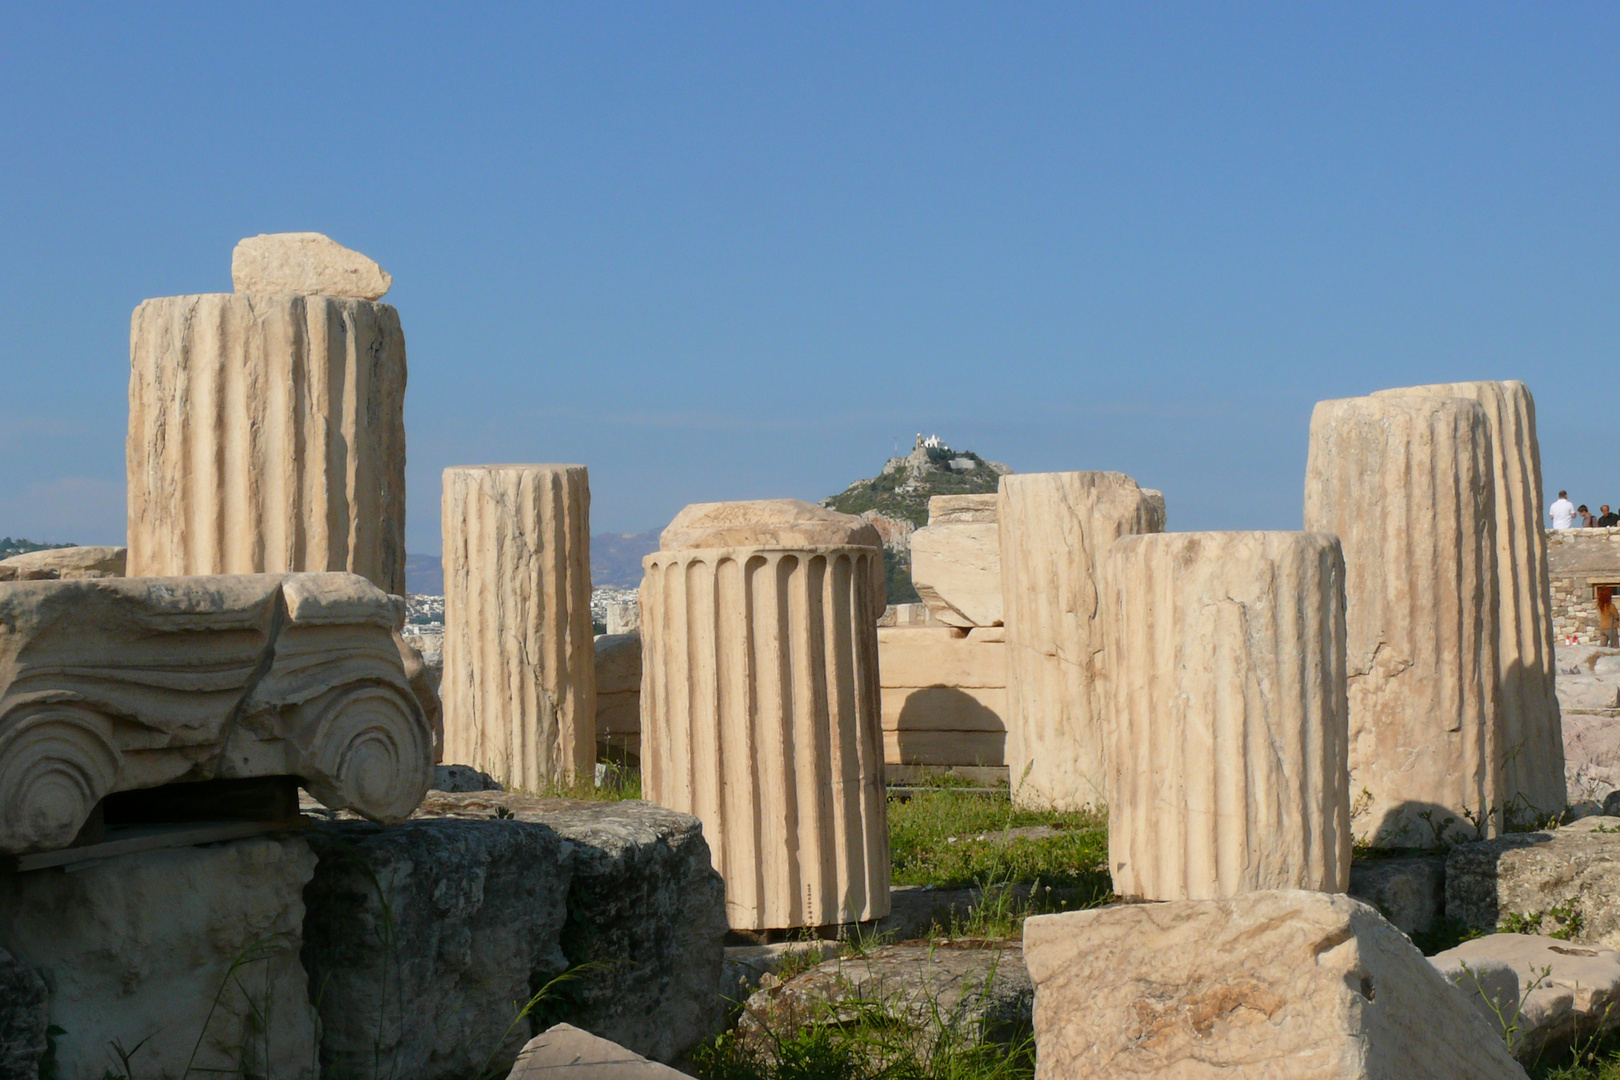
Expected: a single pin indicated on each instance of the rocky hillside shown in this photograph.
(896, 500)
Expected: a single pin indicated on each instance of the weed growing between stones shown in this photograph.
(864, 1039)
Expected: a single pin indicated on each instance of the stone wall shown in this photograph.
(944, 695)
(1577, 559)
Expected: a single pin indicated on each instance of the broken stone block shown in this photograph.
(1565, 879)
(956, 561)
(184, 948)
(519, 685)
(24, 1018)
(1227, 743)
(1408, 890)
(564, 1052)
(1406, 483)
(1056, 529)
(760, 705)
(1533, 764)
(305, 264)
(267, 435)
(52, 564)
(108, 685)
(482, 899)
(1554, 992)
(1278, 984)
(458, 921)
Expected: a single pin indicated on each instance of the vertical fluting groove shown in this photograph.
(1225, 725)
(259, 442)
(1054, 529)
(519, 685)
(1422, 639)
(791, 797)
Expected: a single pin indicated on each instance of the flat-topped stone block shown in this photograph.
(113, 684)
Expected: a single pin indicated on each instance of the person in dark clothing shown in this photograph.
(1608, 519)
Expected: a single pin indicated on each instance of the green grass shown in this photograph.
(933, 841)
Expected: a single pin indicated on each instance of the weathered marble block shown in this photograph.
(1406, 483)
(519, 683)
(267, 434)
(1228, 732)
(760, 705)
(189, 951)
(1280, 985)
(51, 564)
(306, 263)
(119, 683)
(1056, 529)
(484, 897)
(1531, 737)
(956, 561)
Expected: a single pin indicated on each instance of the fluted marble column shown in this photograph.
(1532, 732)
(1228, 724)
(1406, 484)
(519, 684)
(267, 434)
(760, 709)
(1056, 529)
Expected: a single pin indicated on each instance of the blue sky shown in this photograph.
(720, 252)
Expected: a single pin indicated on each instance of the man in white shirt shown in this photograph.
(1562, 512)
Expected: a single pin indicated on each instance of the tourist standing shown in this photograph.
(1608, 519)
(1562, 512)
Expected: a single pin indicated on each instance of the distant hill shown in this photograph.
(424, 575)
(616, 557)
(615, 561)
(896, 500)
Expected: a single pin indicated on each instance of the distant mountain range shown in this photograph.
(615, 561)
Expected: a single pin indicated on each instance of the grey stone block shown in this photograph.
(1409, 891)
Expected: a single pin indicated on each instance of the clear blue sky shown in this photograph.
(720, 252)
